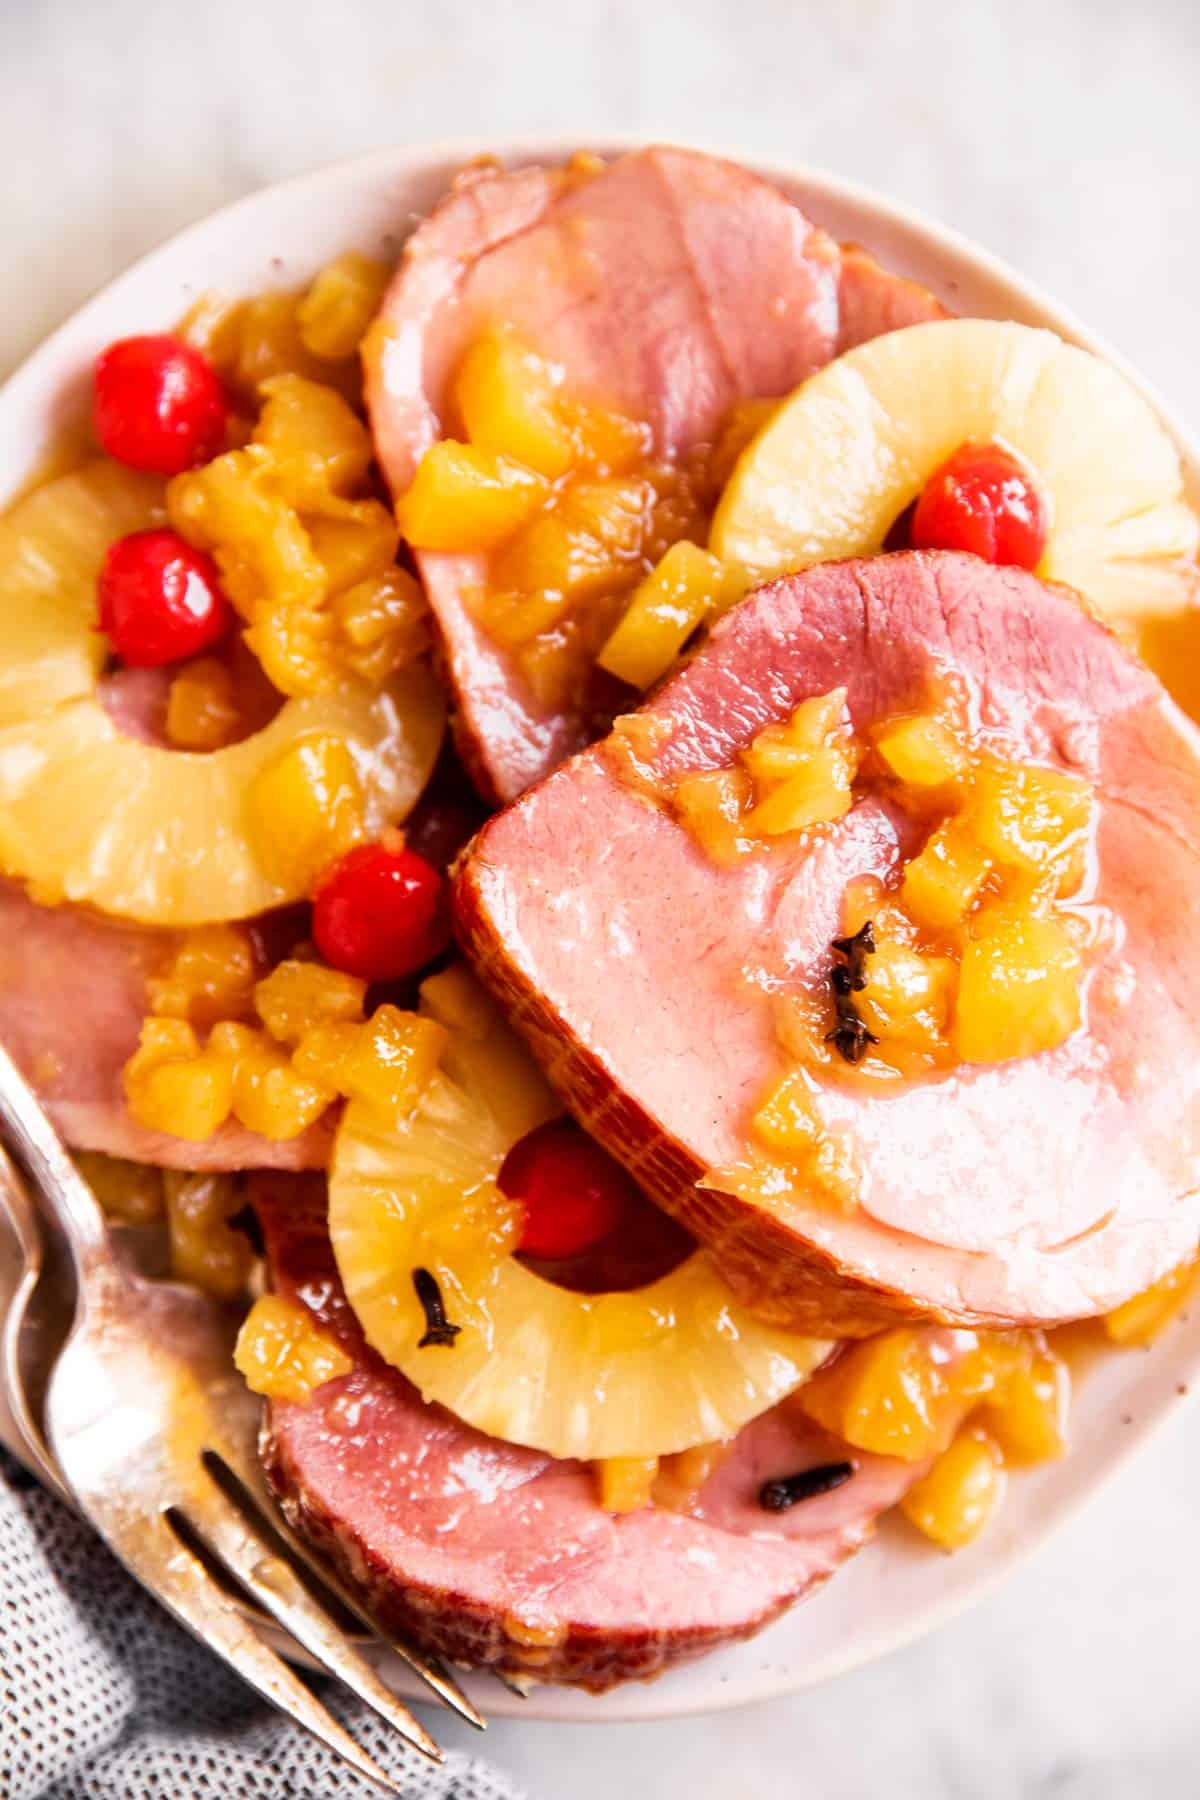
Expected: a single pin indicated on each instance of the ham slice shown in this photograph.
(72, 1001)
(1042, 1189)
(495, 1555)
(671, 285)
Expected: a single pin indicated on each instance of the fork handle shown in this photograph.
(70, 1201)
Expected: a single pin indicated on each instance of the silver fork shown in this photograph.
(154, 1434)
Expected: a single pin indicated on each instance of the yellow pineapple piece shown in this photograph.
(269, 1095)
(307, 809)
(358, 544)
(954, 1501)
(1018, 990)
(381, 625)
(507, 399)
(333, 316)
(856, 443)
(323, 1051)
(52, 544)
(269, 342)
(908, 997)
(210, 977)
(1140, 1320)
(130, 1192)
(682, 1477)
(586, 545)
(296, 997)
(666, 607)
(1028, 1417)
(455, 999)
(204, 1247)
(802, 770)
(626, 1483)
(283, 1354)
(636, 1374)
(232, 508)
(943, 881)
(464, 499)
(317, 444)
(202, 711)
(922, 750)
(1026, 817)
(393, 1060)
(606, 442)
(787, 1121)
(172, 1086)
(712, 806)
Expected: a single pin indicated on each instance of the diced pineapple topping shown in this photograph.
(205, 1248)
(628, 1375)
(172, 1086)
(297, 997)
(687, 586)
(626, 1483)
(465, 499)
(283, 1354)
(922, 750)
(802, 770)
(1018, 987)
(954, 1501)
(202, 709)
(563, 498)
(943, 881)
(1141, 1319)
(306, 809)
(210, 977)
(334, 314)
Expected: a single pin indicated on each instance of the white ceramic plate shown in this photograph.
(897, 1588)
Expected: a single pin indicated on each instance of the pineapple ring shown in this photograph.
(643, 1373)
(90, 815)
(833, 469)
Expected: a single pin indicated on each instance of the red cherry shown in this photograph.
(380, 914)
(158, 404)
(160, 600)
(573, 1192)
(985, 500)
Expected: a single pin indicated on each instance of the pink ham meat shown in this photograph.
(671, 286)
(1042, 1189)
(495, 1555)
(72, 1001)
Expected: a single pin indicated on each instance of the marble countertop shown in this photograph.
(1062, 134)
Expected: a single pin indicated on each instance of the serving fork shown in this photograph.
(151, 1432)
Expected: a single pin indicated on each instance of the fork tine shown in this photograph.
(225, 1533)
(247, 1478)
(180, 1581)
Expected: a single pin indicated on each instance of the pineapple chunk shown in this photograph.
(507, 399)
(270, 1097)
(909, 996)
(1141, 1319)
(210, 977)
(922, 750)
(145, 833)
(1025, 817)
(205, 1249)
(954, 1501)
(665, 609)
(282, 1353)
(1028, 1418)
(358, 543)
(296, 997)
(306, 809)
(464, 499)
(318, 444)
(712, 805)
(334, 314)
(172, 1086)
(596, 1376)
(52, 544)
(856, 443)
(943, 881)
(393, 1060)
(787, 1121)
(202, 711)
(802, 771)
(1018, 990)
(626, 1483)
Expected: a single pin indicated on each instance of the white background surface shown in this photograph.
(1065, 136)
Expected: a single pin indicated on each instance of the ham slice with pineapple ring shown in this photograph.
(670, 285)
(499, 1556)
(1039, 1189)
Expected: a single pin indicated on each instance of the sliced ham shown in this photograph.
(872, 301)
(495, 1555)
(72, 1001)
(671, 285)
(1042, 1189)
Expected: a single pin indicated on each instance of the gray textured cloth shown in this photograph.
(102, 1697)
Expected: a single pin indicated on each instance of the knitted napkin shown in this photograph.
(103, 1697)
